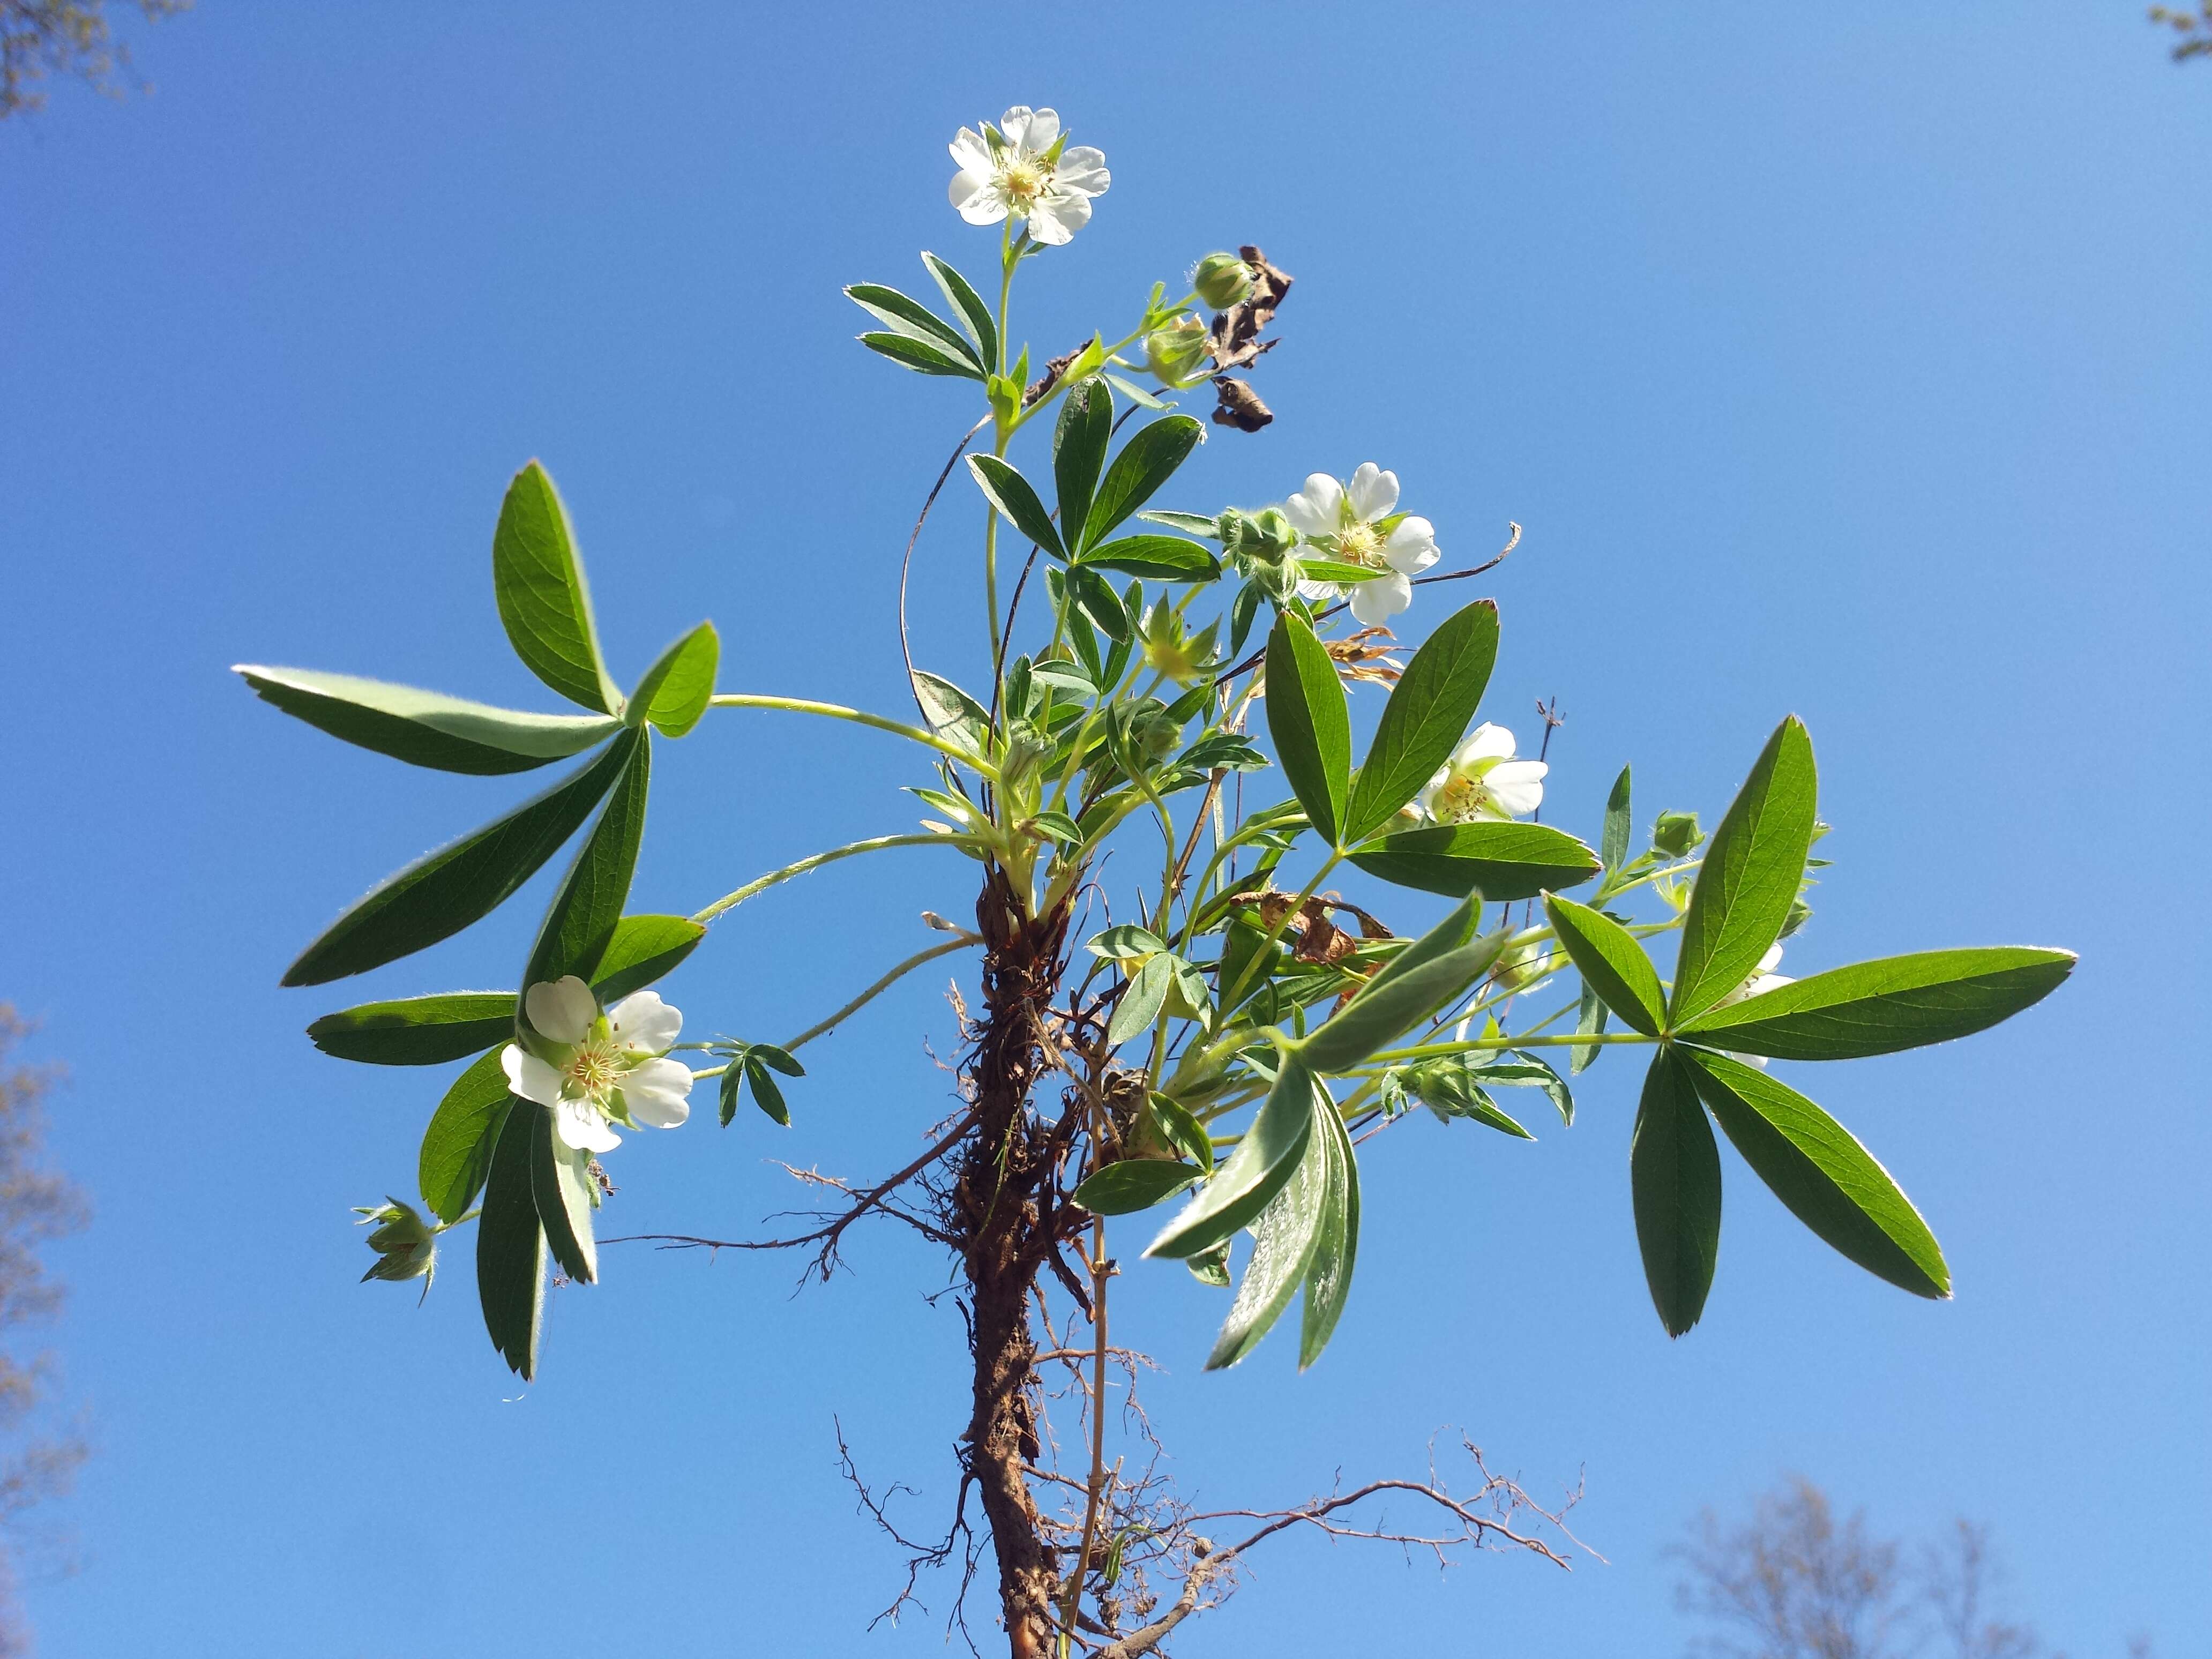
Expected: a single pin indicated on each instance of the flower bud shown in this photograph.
(406, 1245)
(1676, 832)
(1222, 280)
(1177, 352)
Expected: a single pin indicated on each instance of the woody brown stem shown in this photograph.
(1000, 1214)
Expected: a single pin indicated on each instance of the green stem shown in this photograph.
(839, 712)
(1481, 1045)
(882, 985)
(731, 901)
(1228, 998)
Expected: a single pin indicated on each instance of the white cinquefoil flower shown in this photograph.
(1358, 523)
(600, 1069)
(1023, 168)
(1483, 781)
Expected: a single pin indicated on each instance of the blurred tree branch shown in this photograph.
(73, 37)
(2196, 32)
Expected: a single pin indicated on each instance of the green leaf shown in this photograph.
(1589, 1021)
(1079, 452)
(1449, 1087)
(439, 894)
(511, 1246)
(782, 1059)
(1501, 861)
(1147, 461)
(1332, 570)
(1675, 1172)
(1210, 1267)
(1751, 874)
(1554, 1087)
(1137, 394)
(677, 689)
(561, 1187)
(767, 1093)
(417, 1031)
(425, 728)
(1883, 1007)
(1133, 1184)
(1310, 722)
(581, 922)
(1425, 718)
(1613, 845)
(1179, 1128)
(971, 306)
(921, 356)
(643, 949)
(543, 600)
(1397, 999)
(1262, 1164)
(1817, 1168)
(1328, 1276)
(456, 1147)
(1141, 1004)
(1094, 597)
(1164, 558)
(1284, 1237)
(1612, 963)
(952, 714)
(1126, 942)
(1009, 492)
(1192, 524)
(913, 319)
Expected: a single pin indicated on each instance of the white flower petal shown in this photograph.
(530, 1076)
(1315, 592)
(1374, 493)
(1412, 547)
(1771, 960)
(1317, 510)
(1055, 219)
(1375, 601)
(1517, 787)
(1485, 742)
(970, 152)
(1031, 132)
(562, 1010)
(656, 1093)
(643, 1024)
(582, 1127)
(1083, 168)
(975, 199)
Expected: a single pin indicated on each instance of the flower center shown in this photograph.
(591, 1071)
(1359, 545)
(1024, 181)
(1461, 798)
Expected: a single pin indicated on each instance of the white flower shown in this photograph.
(1763, 978)
(1022, 168)
(1354, 524)
(600, 1069)
(1483, 781)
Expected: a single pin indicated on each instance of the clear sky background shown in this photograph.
(1853, 361)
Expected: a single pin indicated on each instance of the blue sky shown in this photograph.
(1850, 362)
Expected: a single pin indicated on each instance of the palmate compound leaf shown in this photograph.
(1612, 963)
(416, 1030)
(581, 922)
(456, 1147)
(1500, 861)
(1148, 460)
(1675, 1177)
(974, 310)
(1310, 722)
(1881, 1007)
(1426, 716)
(1752, 868)
(1285, 1235)
(1261, 1165)
(920, 355)
(425, 728)
(543, 602)
(1819, 1170)
(1011, 494)
(462, 882)
(511, 1246)
(1133, 1184)
(916, 321)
